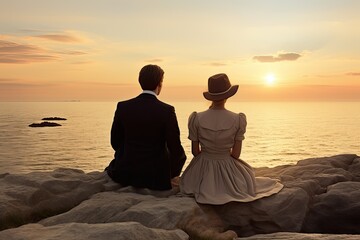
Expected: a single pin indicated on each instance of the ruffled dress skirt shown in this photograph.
(219, 179)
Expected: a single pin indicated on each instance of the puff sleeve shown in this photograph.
(193, 127)
(242, 127)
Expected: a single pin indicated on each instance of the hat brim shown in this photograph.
(219, 97)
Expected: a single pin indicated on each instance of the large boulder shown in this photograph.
(31, 197)
(118, 206)
(336, 211)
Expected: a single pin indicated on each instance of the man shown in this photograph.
(146, 138)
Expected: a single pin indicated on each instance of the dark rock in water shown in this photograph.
(54, 119)
(45, 124)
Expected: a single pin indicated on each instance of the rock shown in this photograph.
(301, 236)
(354, 169)
(54, 119)
(284, 211)
(45, 124)
(320, 195)
(34, 196)
(83, 231)
(336, 211)
(120, 206)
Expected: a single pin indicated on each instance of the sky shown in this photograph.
(90, 50)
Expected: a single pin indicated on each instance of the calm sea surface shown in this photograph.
(277, 133)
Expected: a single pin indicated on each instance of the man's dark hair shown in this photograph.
(150, 76)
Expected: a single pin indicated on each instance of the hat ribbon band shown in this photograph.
(215, 94)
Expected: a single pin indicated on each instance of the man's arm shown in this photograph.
(117, 133)
(176, 151)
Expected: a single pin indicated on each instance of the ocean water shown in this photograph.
(277, 133)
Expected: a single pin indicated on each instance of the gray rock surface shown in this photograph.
(151, 211)
(83, 231)
(320, 196)
(301, 236)
(30, 197)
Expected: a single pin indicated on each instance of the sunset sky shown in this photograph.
(91, 50)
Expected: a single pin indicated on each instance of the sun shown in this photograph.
(270, 79)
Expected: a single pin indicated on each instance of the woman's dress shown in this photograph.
(214, 176)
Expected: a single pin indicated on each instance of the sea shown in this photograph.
(278, 133)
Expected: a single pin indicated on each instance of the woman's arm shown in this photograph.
(195, 148)
(236, 149)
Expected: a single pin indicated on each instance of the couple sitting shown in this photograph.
(148, 152)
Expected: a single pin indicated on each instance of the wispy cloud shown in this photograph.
(81, 62)
(110, 84)
(278, 58)
(18, 83)
(2, 80)
(154, 60)
(72, 52)
(353, 74)
(216, 64)
(17, 50)
(11, 52)
(65, 38)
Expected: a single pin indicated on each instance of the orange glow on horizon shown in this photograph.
(313, 55)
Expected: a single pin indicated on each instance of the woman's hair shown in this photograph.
(150, 76)
(217, 102)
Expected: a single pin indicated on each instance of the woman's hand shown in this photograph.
(236, 149)
(195, 148)
(175, 182)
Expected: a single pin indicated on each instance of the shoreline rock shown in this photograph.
(320, 196)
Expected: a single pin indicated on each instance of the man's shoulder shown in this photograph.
(125, 102)
(165, 105)
(139, 101)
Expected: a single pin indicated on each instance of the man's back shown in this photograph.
(145, 137)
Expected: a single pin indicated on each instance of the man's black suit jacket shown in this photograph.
(146, 138)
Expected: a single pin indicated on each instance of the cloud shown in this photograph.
(59, 38)
(353, 74)
(2, 80)
(11, 52)
(18, 83)
(82, 62)
(154, 60)
(216, 64)
(73, 52)
(278, 58)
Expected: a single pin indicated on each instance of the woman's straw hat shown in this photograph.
(219, 88)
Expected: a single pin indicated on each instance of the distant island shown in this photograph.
(45, 124)
(48, 124)
(54, 119)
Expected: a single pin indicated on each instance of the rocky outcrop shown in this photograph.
(320, 196)
(45, 124)
(31, 197)
(54, 119)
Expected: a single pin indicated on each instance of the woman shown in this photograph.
(216, 175)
